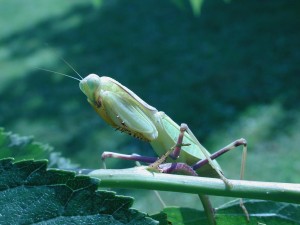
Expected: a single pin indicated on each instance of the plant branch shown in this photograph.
(141, 178)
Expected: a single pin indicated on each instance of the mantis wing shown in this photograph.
(128, 116)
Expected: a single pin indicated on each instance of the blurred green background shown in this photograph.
(230, 72)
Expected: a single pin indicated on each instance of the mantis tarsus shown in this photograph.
(177, 145)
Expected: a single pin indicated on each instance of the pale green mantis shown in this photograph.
(177, 145)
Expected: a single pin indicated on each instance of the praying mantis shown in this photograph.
(178, 149)
(125, 111)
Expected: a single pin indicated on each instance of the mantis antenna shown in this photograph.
(68, 64)
(66, 75)
(71, 67)
(51, 71)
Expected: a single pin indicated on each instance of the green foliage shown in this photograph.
(24, 147)
(30, 194)
(195, 5)
(54, 196)
(261, 212)
(186, 216)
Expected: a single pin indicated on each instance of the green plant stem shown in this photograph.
(208, 209)
(140, 178)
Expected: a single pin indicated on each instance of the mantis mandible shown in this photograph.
(125, 111)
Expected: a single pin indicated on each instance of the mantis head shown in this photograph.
(90, 85)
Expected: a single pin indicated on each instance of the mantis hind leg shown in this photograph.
(215, 155)
(220, 152)
(227, 148)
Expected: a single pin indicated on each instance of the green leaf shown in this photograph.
(196, 6)
(261, 212)
(161, 218)
(31, 194)
(24, 147)
(186, 216)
